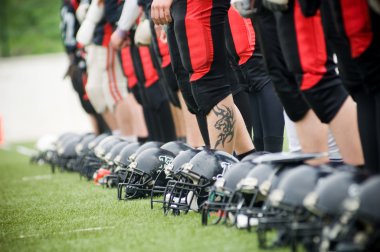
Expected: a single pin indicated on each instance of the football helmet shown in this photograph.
(172, 172)
(109, 178)
(123, 160)
(113, 152)
(176, 147)
(358, 228)
(45, 145)
(144, 172)
(254, 189)
(81, 150)
(89, 163)
(221, 202)
(191, 189)
(326, 200)
(145, 146)
(66, 153)
(106, 145)
(286, 202)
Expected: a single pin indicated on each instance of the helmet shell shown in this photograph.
(175, 147)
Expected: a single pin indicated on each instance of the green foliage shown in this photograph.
(32, 26)
(57, 211)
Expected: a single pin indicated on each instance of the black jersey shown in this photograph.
(69, 24)
(104, 29)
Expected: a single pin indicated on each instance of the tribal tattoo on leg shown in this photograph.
(225, 124)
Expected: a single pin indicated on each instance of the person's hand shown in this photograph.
(160, 11)
(119, 39)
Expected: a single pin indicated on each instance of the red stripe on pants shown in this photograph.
(150, 72)
(243, 35)
(128, 68)
(357, 25)
(311, 47)
(199, 37)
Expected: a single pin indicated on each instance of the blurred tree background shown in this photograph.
(29, 27)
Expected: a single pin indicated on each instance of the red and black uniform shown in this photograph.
(353, 31)
(309, 57)
(199, 32)
(69, 29)
(358, 52)
(143, 81)
(283, 80)
(183, 80)
(161, 59)
(106, 26)
(265, 107)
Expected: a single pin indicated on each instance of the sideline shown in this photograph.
(38, 177)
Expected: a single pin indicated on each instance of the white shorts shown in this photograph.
(106, 84)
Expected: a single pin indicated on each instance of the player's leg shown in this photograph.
(205, 58)
(308, 56)
(196, 126)
(286, 86)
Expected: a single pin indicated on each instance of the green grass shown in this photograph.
(32, 27)
(53, 213)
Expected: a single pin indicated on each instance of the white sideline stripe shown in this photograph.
(27, 236)
(70, 231)
(87, 229)
(25, 151)
(38, 177)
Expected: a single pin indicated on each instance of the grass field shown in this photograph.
(41, 211)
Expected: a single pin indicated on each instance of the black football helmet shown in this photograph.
(176, 147)
(254, 155)
(104, 146)
(113, 152)
(326, 200)
(191, 189)
(66, 154)
(109, 159)
(254, 189)
(221, 201)
(171, 172)
(82, 146)
(144, 172)
(81, 150)
(90, 161)
(286, 201)
(145, 146)
(358, 228)
(62, 141)
(123, 160)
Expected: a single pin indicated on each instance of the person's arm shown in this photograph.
(94, 15)
(127, 19)
(81, 12)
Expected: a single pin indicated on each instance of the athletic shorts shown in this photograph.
(106, 84)
(199, 31)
